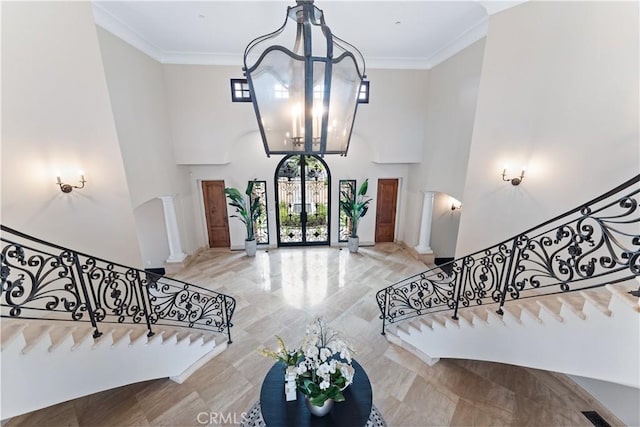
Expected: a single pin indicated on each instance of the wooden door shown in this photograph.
(386, 210)
(215, 208)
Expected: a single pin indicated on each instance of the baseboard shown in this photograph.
(440, 261)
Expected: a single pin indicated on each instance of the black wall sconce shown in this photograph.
(68, 188)
(514, 181)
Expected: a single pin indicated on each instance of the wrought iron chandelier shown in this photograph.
(304, 95)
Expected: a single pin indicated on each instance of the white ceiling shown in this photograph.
(390, 34)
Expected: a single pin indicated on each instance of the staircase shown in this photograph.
(577, 334)
(562, 297)
(74, 325)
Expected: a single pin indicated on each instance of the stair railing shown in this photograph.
(595, 244)
(41, 280)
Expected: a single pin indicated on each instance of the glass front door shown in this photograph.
(303, 184)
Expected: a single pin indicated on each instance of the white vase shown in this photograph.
(354, 242)
(250, 247)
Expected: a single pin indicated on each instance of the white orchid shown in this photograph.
(325, 366)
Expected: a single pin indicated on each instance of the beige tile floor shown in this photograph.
(279, 292)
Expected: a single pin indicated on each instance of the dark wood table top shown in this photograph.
(277, 412)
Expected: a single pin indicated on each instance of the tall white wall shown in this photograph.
(451, 95)
(56, 118)
(139, 103)
(220, 139)
(444, 226)
(558, 94)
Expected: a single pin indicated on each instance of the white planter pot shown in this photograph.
(250, 247)
(354, 242)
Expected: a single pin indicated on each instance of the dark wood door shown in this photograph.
(386, 210)
(215, 208)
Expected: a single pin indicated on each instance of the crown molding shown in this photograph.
(461, 42)
(121, 30)
(202, 58)
(492, 6)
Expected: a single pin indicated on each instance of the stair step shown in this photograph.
(426, 323)
(34, 334)
(600, 300)
(106, 337)
(182, 335)
(551, 306)
(59, 334)
(138, 335)
(467, 316)
(196, 338)
(491, 314)
(530, 309)
(574, 303)
(403, 327)
(11, 329)
(80, 335)
(622, 292)
(209, 338)
(480, 314)
(513, 311)
(449, 321)
(169, 336)
(437, 320)
(119, 334)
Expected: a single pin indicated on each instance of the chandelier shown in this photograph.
(304, 84)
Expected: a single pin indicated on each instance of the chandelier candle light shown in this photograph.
(322, 366)
(304, 84)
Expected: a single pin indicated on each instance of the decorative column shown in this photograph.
(425, 224)
(173, 234)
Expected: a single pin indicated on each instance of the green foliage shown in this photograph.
(307, 386)
(248, 210)
(355, 208)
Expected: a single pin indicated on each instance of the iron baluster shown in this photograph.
(144, 296)
(459, 284)
(85, 293)
(385, 309)
(507, 279)
(227, 320)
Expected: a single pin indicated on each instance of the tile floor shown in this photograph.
(279, 292)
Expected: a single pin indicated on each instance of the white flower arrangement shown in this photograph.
(323, 363)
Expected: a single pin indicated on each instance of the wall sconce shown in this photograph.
(68, 188)
(514, 181)
(456, 204)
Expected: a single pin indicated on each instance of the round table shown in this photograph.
(277, 412)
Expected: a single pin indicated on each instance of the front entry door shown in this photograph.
(386, 210)
(302, 184)
(215, 209)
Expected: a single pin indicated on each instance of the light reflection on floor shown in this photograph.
(304, 276)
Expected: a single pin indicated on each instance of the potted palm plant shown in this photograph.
(247, 210)
(355, 207)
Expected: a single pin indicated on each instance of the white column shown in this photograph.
(173, 234)
(425, 224)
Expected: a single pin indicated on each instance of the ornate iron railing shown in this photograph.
(44, 280)
(592, 245)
